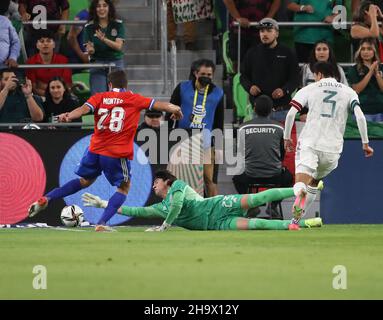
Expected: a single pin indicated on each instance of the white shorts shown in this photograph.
(317, 164)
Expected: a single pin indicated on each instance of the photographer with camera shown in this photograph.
(17, 103)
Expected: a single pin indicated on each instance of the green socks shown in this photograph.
(263, 224)
(270, 195)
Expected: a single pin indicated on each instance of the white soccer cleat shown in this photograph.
(298, 207)
(37, 206)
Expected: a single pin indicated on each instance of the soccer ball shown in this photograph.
(72, 216)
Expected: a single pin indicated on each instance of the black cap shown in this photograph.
(153, 113)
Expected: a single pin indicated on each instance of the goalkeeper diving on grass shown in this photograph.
(184, 207)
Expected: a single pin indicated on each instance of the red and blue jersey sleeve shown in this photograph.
(142, 102)
(94, 102)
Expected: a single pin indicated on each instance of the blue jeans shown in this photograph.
(279, 115)
(99, 77)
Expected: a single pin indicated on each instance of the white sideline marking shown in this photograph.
(66, 229)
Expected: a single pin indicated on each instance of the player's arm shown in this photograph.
(174, 211)
(75, 114)
(299, 101)
(168, 107)
(362, 126)
(290, 117)
(140, 212)
(91, 200)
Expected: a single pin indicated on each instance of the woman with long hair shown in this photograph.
(366, 78)
(365, 25)
(104, 39)
(322, 52)
(58, 100)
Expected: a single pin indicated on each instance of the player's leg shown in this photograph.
(302, 181)
(253, 200)
(306, 164)
(312, 191)
(327, 163)
(117, 172)
(115, 202)
(264, 224)
(67, 189)
(88, 171)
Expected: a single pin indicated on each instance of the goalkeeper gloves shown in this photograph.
(160, 228)
(90, 200)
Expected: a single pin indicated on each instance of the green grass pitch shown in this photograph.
(180, 264)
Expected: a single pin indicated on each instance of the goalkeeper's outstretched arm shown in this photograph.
(91, 200)
(174, 211)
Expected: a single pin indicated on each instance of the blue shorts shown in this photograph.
(116, 170)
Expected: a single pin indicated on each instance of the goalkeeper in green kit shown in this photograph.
(184, 207)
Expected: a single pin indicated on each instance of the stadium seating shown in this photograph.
(76, 6)
(81, 87)
(241, 100)
(228, 62)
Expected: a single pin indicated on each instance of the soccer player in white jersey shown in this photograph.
(321, 140)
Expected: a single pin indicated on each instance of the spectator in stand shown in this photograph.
(75, 37)
(9, 41)
(201, 103)
(322, 51)
(55, 10)
(104, 37)
(152, 127)
(152, 120)
(312, 11)
(356, 3)
(189, 29)
(17, 103)
(12, 12)
(58, 100)
(40, 77)
(365, 78)
(271, 69)
(366, 25)
(244, 12)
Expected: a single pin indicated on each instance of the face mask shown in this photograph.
(204, 81)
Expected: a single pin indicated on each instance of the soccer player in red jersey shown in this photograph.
(116, 115)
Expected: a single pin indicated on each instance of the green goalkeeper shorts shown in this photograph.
(225, 211)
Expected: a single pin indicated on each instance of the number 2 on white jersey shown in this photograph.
(116, 119)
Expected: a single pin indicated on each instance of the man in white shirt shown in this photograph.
(321, 141)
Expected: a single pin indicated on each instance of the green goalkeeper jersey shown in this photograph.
(186, 208)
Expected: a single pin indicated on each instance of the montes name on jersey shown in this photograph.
(111, 101)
